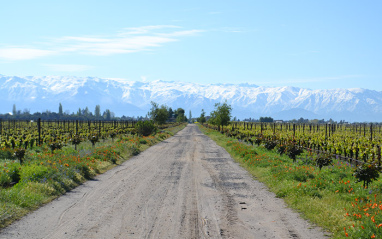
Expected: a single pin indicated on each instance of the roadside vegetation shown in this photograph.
(45, 172)
(330, 193)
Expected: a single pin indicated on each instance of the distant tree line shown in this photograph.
(81, 114)
(161, 114)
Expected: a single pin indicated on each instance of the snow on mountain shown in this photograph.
(132, 98)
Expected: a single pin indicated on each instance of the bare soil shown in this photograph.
(183, 187)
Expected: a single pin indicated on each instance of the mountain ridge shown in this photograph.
(132, 98)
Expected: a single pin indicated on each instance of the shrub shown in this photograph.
(5, 179)
(94, 139)
(145, 128)
(281, 149)
(143, 141)
(19, 154)
(33, 173)
(258, 139)
(6, 153)
(292, 150)
(76, 140)
(85, 171)
(367, 172)
(134, 150)
(270, 144)
(14, 172)
(322, 160)
(55, 145)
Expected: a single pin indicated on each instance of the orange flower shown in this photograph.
(373, 236)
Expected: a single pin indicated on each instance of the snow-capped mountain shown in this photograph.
(132, 98)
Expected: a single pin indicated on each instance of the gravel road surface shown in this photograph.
(183, 187)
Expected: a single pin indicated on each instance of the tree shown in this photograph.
(85, 111)
(170, 113)
(190, 116)
(14, 111)
(221, 115)
(97, 111)
(60, 109)
(202, 118)
(158, 114)
(266, 119)
(180, 117)
(107, 114)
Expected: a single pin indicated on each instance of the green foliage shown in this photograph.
(221, 115)
(367, 172)
(158, 114)
(5, 179)
(270, 144)
(145, 128)
(85, 171)
(257, 139)
(6, 153)
(33, 173)
(181, 118)
(44, 175)
(55, 145)
(19, 154)
(180, 115)
(331, 191)
(134, 149)
(143, 141)
(94, 139)
(292, 150)
(10, 174)
(60, 110)
(266, 119)
(202, 118)
(76, 139)
(323, 159)
(281, 148)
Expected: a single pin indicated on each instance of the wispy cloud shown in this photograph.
(125, 41)
(23, 53)
(67, 67)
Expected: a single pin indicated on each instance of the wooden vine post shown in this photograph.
(39, 130)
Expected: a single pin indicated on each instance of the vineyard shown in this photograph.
(328, 172)
(14, 133)
(43, 159)
(358, 143)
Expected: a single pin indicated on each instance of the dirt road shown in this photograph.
(183, 187)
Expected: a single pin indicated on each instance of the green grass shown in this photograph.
(330, 198)
(45, 175)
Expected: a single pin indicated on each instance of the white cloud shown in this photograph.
(145, 29)
(67, 68)
(126, 41)
(21, 53)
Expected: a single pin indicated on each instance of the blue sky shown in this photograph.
(312, 44)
